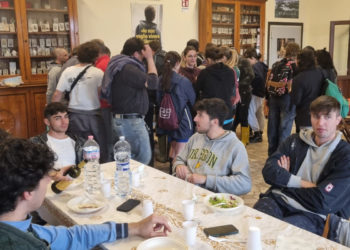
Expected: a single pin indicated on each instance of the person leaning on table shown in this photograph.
(25, 168)
(213, 157)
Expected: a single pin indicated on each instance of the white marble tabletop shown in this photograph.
(167, 192)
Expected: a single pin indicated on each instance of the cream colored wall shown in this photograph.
(110, 20)
(316, 16)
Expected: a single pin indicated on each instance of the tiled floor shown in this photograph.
(257, 153)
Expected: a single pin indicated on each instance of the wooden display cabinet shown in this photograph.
(29, 31)
(234, 23)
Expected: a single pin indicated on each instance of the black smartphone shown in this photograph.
(220, 230)
(128, 205)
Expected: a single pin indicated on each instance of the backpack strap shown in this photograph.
(78, 78)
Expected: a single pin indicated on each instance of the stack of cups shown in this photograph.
(254, 241)
(189, 225)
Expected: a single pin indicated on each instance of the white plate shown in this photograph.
(76, 182)
(76, 203)
(161, 243)
(227, 197)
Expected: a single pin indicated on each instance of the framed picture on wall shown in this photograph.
(279, 35)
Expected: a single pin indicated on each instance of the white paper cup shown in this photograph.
(106, 188)
(190, 228)
(147, 208)
(254, 241)
(135, 179)
(188, 209)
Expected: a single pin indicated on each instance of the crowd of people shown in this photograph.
(211, 93)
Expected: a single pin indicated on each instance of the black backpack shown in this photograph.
(279, 79)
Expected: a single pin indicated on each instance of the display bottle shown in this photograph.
(122, 177)
(73, 172)
(92, 180)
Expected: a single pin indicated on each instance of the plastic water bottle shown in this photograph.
(91, 152)
(122, 178)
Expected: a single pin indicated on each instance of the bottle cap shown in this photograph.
(90, 137)
(122, 138)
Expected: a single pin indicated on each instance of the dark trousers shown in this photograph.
(273, 205)
(242, 111)
(149, 122)
(280, 120)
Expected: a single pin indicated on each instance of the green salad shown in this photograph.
(223, 202)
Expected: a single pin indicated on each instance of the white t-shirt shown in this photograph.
(84, 96)
(64, 149)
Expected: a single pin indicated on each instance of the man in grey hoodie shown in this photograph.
(213, 157)
(309, 173)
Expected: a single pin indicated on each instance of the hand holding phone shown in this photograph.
(220, 230)
(128, 205)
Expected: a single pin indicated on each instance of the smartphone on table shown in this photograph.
(128, 205)
(220, 230)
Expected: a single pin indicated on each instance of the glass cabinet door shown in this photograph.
(250, 27)
(223, 17)
(9, 49)
(48, 28)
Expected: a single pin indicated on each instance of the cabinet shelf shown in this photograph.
(6, 8)
(222, 35)
(34, 57)
(250, 14)
(223, 12)
(9, 57)
(250, 25)
(223, 24)
(61, 33)
(47, 10)
(7, 33)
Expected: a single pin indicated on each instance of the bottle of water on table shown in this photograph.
(92, 180)
(122, 178)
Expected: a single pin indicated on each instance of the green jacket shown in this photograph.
(12, 238)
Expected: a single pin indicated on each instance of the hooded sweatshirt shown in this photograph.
(217, 80)
(223, 160)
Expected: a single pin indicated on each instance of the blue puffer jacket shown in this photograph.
(183, 96)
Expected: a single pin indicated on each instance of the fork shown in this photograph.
(217, 239)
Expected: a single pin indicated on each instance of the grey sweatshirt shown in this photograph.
(223, 160)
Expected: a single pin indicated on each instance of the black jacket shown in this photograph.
(306, 87)
(217, 80)
(258, 83)
(320, 199)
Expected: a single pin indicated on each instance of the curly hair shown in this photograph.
(215, 108)
(88, 52)
(292, 49)
(54, 108)
(22, 165)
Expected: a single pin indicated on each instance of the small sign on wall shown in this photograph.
(185, 4)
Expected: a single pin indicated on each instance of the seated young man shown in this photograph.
(309, 174)
(67, 147)
(25, 168)
(213, 157)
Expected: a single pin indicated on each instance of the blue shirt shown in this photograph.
(75, 237)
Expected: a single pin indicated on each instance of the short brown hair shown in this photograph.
(292, 49)
(325, 104)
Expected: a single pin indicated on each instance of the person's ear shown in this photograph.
(339, 118)
(27, 195)
(47, 122)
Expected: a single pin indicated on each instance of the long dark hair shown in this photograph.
(324, 59)
(170, 60)
(306, 60)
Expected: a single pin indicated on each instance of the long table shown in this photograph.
(167, 192)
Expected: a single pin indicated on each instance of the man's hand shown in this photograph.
(152, 226)
(197, 178)
(182, 171)
(147, 52)
(284, 162)
(59, 176)
(307, 184)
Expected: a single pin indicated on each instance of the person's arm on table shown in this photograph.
(180, 165)
(88, 236)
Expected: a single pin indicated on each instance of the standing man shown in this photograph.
(60, 57)
(125, 86)
(309, 173)
(213, 157)
(67, 147)
(25, 168)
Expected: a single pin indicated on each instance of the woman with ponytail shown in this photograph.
(182, 95)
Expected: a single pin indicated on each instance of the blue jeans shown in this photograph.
(273, 205)
(136, 134)
(280, 120)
